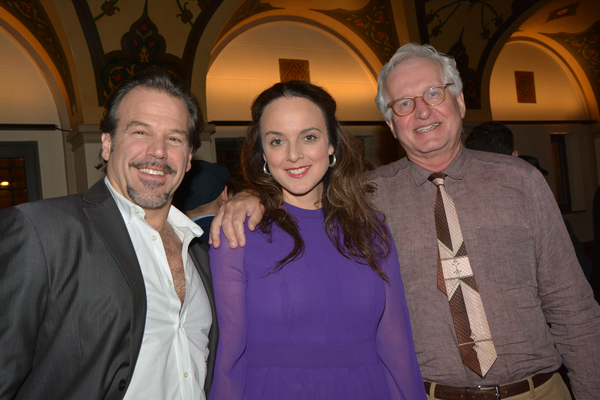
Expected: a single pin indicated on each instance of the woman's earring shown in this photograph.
(332, 163)
(266, 169)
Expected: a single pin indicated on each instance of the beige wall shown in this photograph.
(534, 140)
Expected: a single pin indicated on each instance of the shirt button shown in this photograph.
(154, 237)
(136, 210)
(185, 374)
(169, 282)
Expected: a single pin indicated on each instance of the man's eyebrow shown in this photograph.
(179, 131)
(426, 89)
(135, 123)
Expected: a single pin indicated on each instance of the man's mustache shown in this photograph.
(166, 169)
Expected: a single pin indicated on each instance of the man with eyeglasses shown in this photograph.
(539, 307)
(526, 302)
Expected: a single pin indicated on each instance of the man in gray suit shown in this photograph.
(108, 294)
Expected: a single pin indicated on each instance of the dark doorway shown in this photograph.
(19, 173)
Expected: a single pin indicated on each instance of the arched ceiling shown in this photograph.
(123, 36)
(30, 24)
(555, 94)
(570, 30)
(252, 62)
(475, 31)
(150, 32)
(186, 36)
(367, 26)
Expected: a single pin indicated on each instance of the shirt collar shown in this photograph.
(129, 210)
(456, 169)
(199, 217)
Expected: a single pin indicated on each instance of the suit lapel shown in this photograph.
(105, 217)
(199, 255)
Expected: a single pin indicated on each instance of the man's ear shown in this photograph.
(189, 163)
(392, 128)
(106, 145)
(461, 104)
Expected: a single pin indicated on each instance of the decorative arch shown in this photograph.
(580, 62)
(554, 77)
(142, 44)
(493, 49)
(35, 97)
(44, 61)
(368, 57)
(474, 33)
(238, 73)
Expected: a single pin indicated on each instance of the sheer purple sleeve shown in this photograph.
(394, 336)
(230, 284)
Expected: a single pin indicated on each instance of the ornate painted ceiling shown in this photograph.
(124, 36)
(471, 30)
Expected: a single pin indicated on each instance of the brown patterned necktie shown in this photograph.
(455, 279)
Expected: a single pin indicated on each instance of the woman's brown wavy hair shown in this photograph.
(352, 224)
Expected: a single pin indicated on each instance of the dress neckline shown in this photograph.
(302, 212)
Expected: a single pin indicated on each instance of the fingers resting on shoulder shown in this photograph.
(231, 218)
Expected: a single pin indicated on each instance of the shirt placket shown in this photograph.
(182, 351)
(183, 359)
(176, 313)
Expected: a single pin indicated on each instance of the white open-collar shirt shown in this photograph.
(172, 359)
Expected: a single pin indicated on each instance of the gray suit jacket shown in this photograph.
(73, 301)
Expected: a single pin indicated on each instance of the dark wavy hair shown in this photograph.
(159, 79)
(352, 224)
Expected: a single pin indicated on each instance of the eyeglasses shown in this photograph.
(432, 97)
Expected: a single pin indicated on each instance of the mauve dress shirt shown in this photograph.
(539, 306)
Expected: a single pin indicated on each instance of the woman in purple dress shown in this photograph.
(313, 306)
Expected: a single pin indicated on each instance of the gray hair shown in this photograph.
(412, 51)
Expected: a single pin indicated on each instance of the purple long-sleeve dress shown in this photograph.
(323, 327)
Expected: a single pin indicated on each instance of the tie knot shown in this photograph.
(437, 178)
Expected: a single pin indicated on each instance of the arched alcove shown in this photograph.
(26, 98)
(250, 63)
(558, 95)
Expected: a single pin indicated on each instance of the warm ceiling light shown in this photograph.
(4, 183)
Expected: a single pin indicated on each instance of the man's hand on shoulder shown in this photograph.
(231, 218)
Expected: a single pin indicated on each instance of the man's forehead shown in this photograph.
(419, 63)
(140, 91)
(415, 74)
(143, 100)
